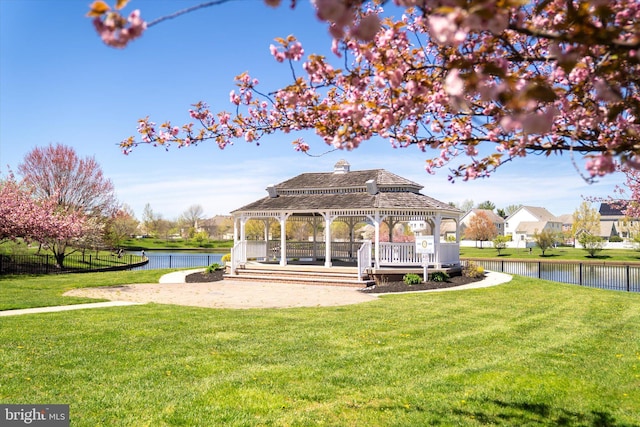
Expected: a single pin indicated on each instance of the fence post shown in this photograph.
(170, 260)
(90, 262)
(539, 269)
(580, 275)
(46, 268)
(628, 279)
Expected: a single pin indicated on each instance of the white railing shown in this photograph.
(342, 250)
(405, 254)
(449, 254)
(391, 254)
(238, 255)
(399, 254)
(256, 249)
(364, 259)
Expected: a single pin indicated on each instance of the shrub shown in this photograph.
(473, 270)
(590, 243)
(616, 239)
(226, 258)
(439, 276)
(411, 279)
(213, 267)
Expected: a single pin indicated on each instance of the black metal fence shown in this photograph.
(46, 263)
(616, 277)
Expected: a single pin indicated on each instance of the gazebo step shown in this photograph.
(303, 280)
(298, 273)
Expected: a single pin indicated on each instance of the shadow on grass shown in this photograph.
(598, 257)
(500, 412)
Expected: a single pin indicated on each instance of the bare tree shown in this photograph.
(192, 216)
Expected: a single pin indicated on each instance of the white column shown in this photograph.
(283, 239)
(235, 231)
(327, 239)
(243, 230)
(266, 230)
(315, 237)
(436, 238)
(376, 224)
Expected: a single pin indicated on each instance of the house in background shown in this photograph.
(567, 228)
(219, 227)
(614, 223)
(529, 220)
(496, 219)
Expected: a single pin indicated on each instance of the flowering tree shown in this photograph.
(72, 188)
(490, 80)
(481, 228)
(22, 216)
(627, 197)
(120, 226)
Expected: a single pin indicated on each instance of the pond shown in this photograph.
(179, 259)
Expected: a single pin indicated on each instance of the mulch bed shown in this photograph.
(400, 286)
(387, 287)
(205, 277)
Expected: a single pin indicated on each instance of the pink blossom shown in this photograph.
(367, 28)
(445, 30)
(601, 165)
(540, 122)
(234, 98)
(331, 10)
(453, 84)
(279, 56)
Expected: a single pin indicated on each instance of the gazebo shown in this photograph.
(371, 197)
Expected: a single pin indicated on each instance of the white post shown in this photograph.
(283, 240)
(376, 223)
(425, 266)
(436, 239)
(243, 231)
(327, 240)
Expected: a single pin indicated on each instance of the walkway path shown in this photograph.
(228, 293)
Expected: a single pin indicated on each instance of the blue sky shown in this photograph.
(60, 84)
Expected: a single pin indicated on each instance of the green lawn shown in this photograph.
(528, 352)
(23, 291)
(560, 253)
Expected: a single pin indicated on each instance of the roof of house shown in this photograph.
(345, 189)
(566, 218)
(493, 217)
(607, 229)
(531, 227)
(540, 213)
(608, 210)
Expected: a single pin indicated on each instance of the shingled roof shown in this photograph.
(346, 190)
(351, 180)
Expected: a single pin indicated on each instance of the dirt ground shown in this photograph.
(229, 293)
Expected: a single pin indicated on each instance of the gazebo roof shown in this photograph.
(345, 190)
(350, 179)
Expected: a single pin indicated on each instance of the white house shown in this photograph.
(528, 220)
(614, 223)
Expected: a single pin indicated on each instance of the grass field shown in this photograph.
(561, 254)
(525, 353)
